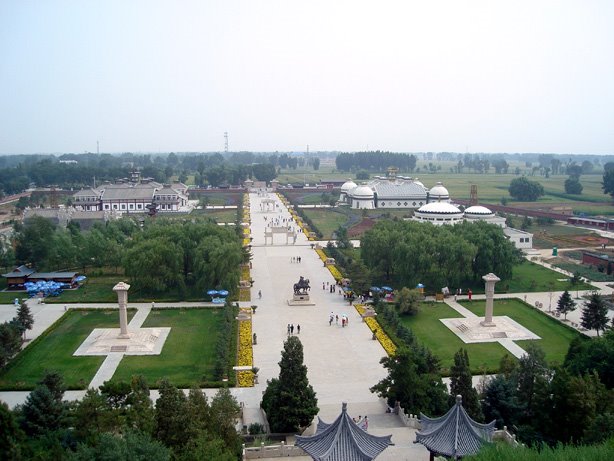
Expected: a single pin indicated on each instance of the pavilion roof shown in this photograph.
(454, 434)
(342, 440)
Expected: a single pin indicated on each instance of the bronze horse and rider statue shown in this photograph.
(302, 286)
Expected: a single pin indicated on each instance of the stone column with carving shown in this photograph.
(489, 280)
(122, 299)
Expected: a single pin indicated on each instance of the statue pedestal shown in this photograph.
(300, 300)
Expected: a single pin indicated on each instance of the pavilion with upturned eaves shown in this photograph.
(454, 434)
(342, 440)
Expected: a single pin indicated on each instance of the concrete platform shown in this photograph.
(470, 330)
(143, 341)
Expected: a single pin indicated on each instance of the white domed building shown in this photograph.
(439, 193)
(348, 186)
(438, 213)
(478, 212)
(362, 198)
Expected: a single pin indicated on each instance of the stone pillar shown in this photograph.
(122, 299)
(489, 280)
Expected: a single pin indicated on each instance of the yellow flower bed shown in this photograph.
(245, 357)
(382, 337)
(245, 294)
(336, 274)
(246, 231)
(246, 242)
(244, 272)
(322, 255)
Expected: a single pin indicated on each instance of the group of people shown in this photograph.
(291, 329)
(295, 259)
(459, 292)
(361, 422)
(335, 317)
(332, 288)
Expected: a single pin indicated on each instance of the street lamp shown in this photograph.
(550, 305)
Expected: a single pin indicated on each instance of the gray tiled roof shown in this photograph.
(342, 440)
(398, 189)
(127, 193)
(454, 434)
(21, 271)
(87, 193)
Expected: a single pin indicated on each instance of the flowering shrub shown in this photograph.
(322, 255)
(245, 354)
(245, 294)
(336, 274)
(381, 336)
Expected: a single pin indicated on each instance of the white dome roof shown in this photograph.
(438, 191)
(439, 208)
(348, 185)
(478, 210)
(362, 192)
(416, 181)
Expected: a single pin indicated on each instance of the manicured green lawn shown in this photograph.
(220, 216)
(188, 355)
(53, 351)
(99, 289)
(531, 277)
(326, 220)
(443, 343)
(555, 337)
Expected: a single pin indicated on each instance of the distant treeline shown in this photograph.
(375, 161)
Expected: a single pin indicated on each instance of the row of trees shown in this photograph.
(119, 421)
(375, 161)
(163, 254)
(436, 256)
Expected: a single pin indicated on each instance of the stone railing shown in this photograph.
(505, 436)
(272, 451)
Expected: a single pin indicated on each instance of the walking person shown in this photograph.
(259, 294)
(292, 329)
(298, 329)
(288, 329)
(469, 294)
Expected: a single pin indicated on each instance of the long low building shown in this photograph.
(16, 279)
(133, 197)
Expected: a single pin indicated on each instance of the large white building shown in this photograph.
(391, 192)
(130, 197)
(430, 205)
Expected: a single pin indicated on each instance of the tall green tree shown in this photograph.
(595, 314)
(289, 401)
(25, 317)
(525, 190)
(607, 183)
(573, 186)
(414, 381)
(408, 301)
(172, 419)
(461, 383)
(11, 436)
(565, 304)
(10, 341)
(44, 410)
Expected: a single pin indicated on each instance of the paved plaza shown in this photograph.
(343, 362)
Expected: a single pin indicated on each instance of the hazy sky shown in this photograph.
(482, 76)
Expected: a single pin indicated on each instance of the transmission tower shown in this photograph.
(226, 141)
